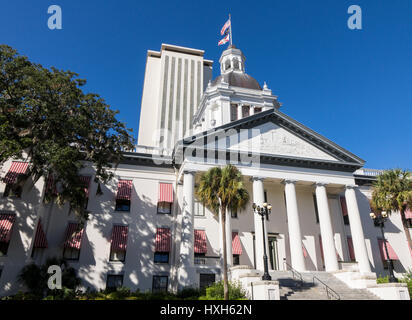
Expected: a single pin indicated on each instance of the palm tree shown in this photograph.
(392, 192)
(222, 189)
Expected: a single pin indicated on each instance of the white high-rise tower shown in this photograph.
(175, 79)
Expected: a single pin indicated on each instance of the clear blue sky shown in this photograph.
(354, 87)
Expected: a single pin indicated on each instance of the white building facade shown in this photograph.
(147, 230)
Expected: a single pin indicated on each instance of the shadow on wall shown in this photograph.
(374, 233)
(309, 263)
(26, 210)
(138, 266)
(94, 265)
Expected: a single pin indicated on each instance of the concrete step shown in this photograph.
(292, 288)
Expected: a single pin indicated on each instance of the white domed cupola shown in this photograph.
(233, 95)
(232, 59)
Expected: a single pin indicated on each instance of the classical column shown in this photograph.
(239, 111)
(295, 236)
(259, 199)
(328, 241)
(355, 223)
(186, 268)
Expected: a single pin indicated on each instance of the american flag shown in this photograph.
(226, 25)
(224, 40)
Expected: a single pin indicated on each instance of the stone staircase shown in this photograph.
(291, 289)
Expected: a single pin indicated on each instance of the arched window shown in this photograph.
(235, 64)
(227, 64)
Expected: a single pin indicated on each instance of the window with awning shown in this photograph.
(124, 190)
(391, 252)
(124, 195)
(164, 203)
(118, 243)
(162, 245)
(73, 236)
(40, 240)
(17, 168)
(163, 240)
(73, 241)
(236, 244)
(351, 249)
(165, 192)
(6, 226)
(200, 241)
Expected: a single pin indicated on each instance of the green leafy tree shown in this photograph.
(46, 118)
(222, 189)
(392, 192)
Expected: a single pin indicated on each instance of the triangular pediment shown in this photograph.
(276, 136)
(270, 138)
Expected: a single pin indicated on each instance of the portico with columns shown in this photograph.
(290, 220)
(302, 174)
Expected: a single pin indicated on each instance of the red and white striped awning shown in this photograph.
(124, 189)
(305, 252)
(408, 213)
(343, 206)
(165, 192)
(351, 250)
(40, 240)
(16, 168)
(391, 252)
(73, 236)
(236, 244)
(86, 182)
(6, 225)
(200, 241)
(163, 240)
(119, 238)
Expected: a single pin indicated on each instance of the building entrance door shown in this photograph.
(273, 253)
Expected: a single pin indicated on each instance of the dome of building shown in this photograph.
(238, 79)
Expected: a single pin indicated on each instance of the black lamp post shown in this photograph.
(264, 211)
(380, 220)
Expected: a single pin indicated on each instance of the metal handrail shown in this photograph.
(329, 291)
(294, 272)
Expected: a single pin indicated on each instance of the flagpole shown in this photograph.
(230, 21)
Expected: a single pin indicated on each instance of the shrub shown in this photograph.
(31, 276)
(215, 291)
(381, 279)
(119, 294)
(189, 293)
